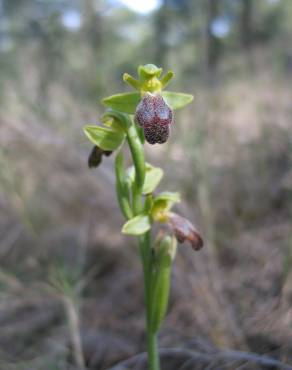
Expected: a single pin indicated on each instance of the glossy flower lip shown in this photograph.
(156, 134)
(155, 117)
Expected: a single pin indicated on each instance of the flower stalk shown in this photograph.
(138, 158)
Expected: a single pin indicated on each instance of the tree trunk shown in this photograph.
(246, 23)
(212, 43)
(161, 27)
(92, 25)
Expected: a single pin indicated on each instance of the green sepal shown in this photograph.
(149, 71)
(162, 204)
(116, 120)
(109, 121)
(169, 196)
(177, 100)
(137, 225)
(105, 138)
(126, 102)
(153, 176)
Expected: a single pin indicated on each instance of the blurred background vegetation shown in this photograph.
(70, 284)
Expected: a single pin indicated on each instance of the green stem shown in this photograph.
(145, 253)
(137, 199)
(137, 152)
(152, 350)
(147, 261)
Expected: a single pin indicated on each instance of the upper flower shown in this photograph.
(150, 81)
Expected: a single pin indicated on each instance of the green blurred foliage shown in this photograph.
(88, 45)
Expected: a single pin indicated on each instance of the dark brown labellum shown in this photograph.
(155, 117)
(185, 231)
(156, 134)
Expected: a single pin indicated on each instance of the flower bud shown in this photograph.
(155, 117)
(165, 249)
(185, 231)
(95, 157)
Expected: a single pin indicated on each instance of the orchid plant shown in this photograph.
(132, 118)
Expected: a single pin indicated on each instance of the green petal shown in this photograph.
(166, 78)
(177, 100)
(126, 102)
(169, 196)
(104, 137)
(137, 225)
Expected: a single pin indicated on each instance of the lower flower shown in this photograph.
(185, 231)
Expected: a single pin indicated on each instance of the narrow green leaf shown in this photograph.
(126, 102)
(160, 297)
(137, 225)
(104, 137)
(165, 251)
(122, 188)
(177, 100)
